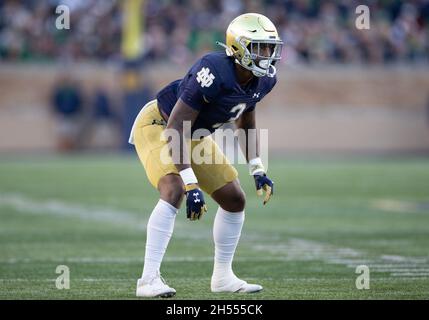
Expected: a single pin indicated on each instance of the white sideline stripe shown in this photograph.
(58, 208)
(101, 260)
(305, 250)
(208, 278)
(54, 279)
(410, 274)
(395, 269)
(393, 205)
(63, 209)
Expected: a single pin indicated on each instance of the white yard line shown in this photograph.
(394, 205)
(126, 260)
(305, 250)
(54, 279)
(299, 279)
(60, 208)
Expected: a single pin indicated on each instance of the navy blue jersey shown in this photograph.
(211, 87)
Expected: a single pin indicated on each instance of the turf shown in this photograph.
(326, 218)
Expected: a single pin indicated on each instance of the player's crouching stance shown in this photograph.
(219, 88)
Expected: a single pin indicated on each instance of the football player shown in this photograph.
(220, 87)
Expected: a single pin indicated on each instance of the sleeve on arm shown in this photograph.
(202, 85)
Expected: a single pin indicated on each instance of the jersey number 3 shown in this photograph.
(239, 108)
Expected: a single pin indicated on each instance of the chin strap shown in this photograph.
(267, 72)
(260, 72)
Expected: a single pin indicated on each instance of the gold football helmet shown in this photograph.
(253, 41)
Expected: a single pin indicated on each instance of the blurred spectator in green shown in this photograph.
(178, 31)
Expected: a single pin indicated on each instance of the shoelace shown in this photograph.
(162, 279)
(158, 275)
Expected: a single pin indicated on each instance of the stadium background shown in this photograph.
(348, 138)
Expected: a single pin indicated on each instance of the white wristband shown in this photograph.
(188, 176)
(256, 166)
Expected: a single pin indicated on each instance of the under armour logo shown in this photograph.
(205, 78)
(256, 95)
(195, 194)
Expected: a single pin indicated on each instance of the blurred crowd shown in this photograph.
(315, 31)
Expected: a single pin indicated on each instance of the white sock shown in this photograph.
(226, 233)
(159, 230)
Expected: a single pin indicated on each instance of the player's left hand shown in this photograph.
(263, 183)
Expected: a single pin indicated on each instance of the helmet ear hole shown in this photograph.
(236, 52)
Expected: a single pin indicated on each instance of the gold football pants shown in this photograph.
(147, 136)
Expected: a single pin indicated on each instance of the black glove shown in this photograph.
(262, 182)
(195, 204)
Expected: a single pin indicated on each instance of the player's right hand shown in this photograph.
(263, 183)
(195, 204)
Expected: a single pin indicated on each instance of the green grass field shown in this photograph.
(326, 218)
